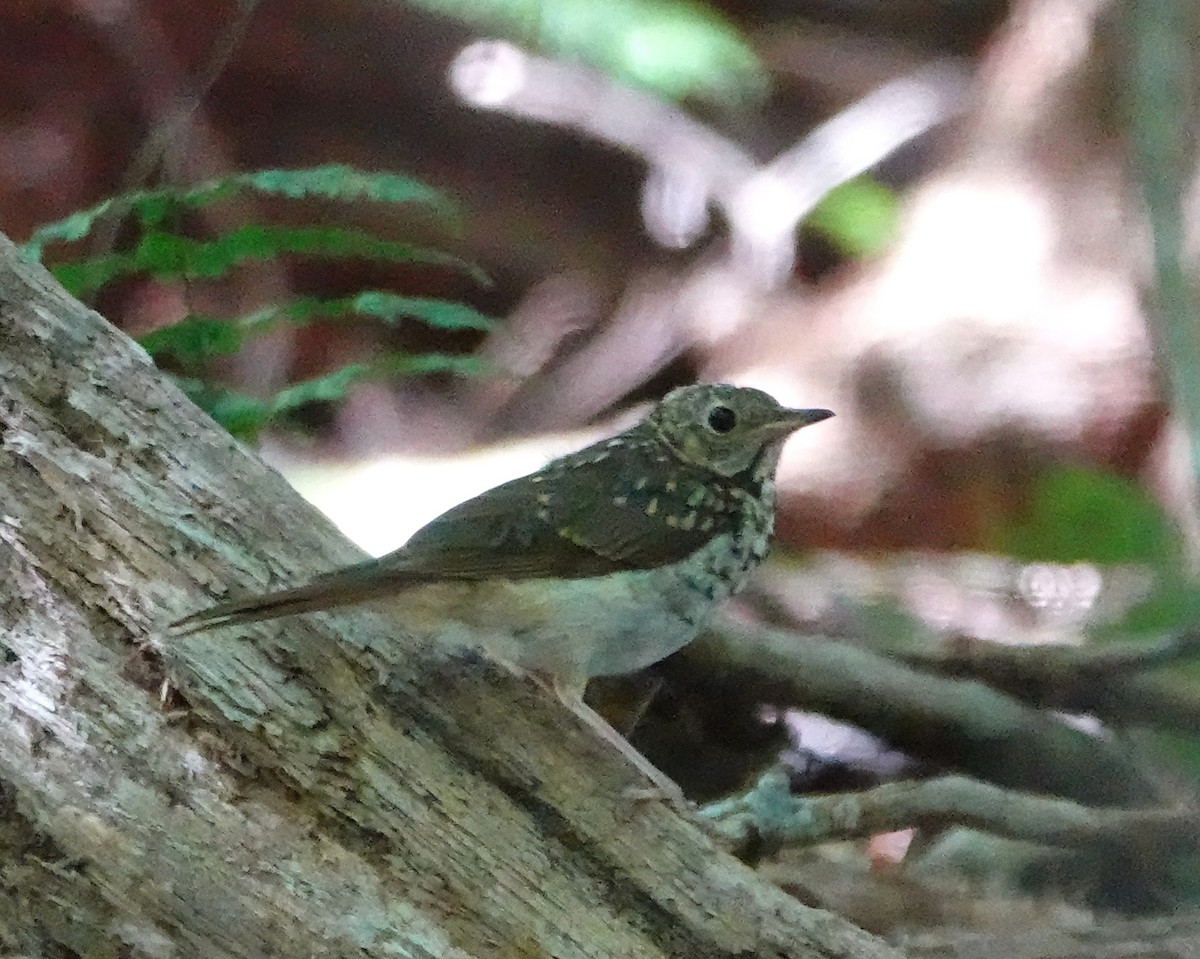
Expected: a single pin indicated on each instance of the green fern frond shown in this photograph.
(443, 314)
(162, 254)
(426, 364)
(331, 182)
(328, 388)
(196, 339)
(344, 183)
(377, 304)
(169, 256)
(244, 416)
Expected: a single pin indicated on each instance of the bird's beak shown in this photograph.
(792, 420)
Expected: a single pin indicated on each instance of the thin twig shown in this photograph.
(167, 129)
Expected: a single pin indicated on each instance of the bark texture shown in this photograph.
(322, 786)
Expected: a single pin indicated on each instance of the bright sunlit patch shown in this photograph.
(767, 206)
(1069, 589)
(999, 237)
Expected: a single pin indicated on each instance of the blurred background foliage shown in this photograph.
(675, 49)
(158, 250)
(415, 249)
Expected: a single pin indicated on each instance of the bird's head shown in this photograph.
(727, 429)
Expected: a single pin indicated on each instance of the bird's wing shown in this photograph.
(593, 522)
(588, 523)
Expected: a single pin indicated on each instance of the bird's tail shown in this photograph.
(356, 584)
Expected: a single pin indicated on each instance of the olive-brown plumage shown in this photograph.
(601, 562)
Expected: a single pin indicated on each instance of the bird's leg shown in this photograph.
(571, 696)
(639, 712)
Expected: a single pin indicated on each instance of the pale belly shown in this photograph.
(576, 629)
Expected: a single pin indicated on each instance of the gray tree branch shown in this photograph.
(768, 817)
(963, 725)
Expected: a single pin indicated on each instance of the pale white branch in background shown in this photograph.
(768, 207)
(495, 75)
(693, 167)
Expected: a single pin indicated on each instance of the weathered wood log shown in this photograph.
(325, 786)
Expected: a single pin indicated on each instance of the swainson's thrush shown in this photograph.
(601, 562)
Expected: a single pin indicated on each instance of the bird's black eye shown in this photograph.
(721, 419)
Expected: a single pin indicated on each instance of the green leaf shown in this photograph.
(88, 275)
(378, 304)
(442, 314)
(194, 340)
(164, 255)
(75, 226)
(860, 217)
(332, 386)
(1076, 514)
(402, 364)
(153, 208)
(345, 184)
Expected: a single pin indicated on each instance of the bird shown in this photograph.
(600, 563)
